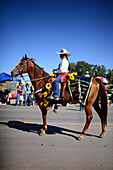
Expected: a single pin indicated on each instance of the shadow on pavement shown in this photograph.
(35, 128)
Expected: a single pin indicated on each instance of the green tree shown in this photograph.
(110, 76)
(73, 67)
(94, 70)
(81, 67)
(100, 71)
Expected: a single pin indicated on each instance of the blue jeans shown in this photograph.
(56, 86)
(26, 99)
(31, 102)
(0, 98)
(17, 98)
(82, 106)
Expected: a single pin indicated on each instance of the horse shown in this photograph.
(39, 77)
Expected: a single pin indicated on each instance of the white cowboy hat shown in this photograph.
(64, 51)
(87, 72)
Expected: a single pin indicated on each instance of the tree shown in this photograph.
(110, 76)
(94, 70)
(81, 67)
(73, 67)
(100, 71)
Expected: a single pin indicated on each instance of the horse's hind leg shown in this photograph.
(89, 116)
(99, 111)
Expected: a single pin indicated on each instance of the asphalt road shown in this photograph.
(21, 148)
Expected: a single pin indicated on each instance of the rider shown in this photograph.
(62, 70)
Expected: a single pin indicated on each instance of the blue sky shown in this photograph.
(40, 28)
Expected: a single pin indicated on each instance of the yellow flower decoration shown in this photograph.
(46, 103)
(45, 94)
(48, 85)
(51, 75)
(71, 76)
(74, 73)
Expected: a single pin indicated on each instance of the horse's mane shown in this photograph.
(39, 69)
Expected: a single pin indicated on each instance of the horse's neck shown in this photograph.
(35, 73)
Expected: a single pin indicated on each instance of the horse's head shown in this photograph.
(22, 67)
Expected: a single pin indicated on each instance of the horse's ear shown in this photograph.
(32, 59)
(25, 56)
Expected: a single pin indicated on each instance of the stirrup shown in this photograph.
(54, 98)
(51, 97)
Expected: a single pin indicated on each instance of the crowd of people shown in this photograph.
(25, 95)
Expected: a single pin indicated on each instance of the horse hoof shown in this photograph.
(42, 132)
(80, 138)
(102, 136)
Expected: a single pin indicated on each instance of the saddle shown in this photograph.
(79, 89)
(77, 86)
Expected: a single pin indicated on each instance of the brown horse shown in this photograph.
(39, 77)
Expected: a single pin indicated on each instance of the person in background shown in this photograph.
(87, 74)
(31, 95)
(9, 97)
(108, 93)
(27, 94)
(4, 98)
(1, 94)
(82, 107)
(19, 93)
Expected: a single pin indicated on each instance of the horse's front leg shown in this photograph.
(44, 116)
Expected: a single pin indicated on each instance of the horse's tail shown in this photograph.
(103, 99)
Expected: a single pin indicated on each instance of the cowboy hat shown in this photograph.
(87, 72)
(64, 51)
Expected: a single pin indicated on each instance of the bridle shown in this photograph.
(27, 62)
(38, 79)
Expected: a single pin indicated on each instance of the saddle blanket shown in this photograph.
(80, 88)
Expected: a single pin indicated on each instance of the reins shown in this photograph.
(38, 79)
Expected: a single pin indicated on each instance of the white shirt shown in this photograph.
(64, 64)
(87, 75)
